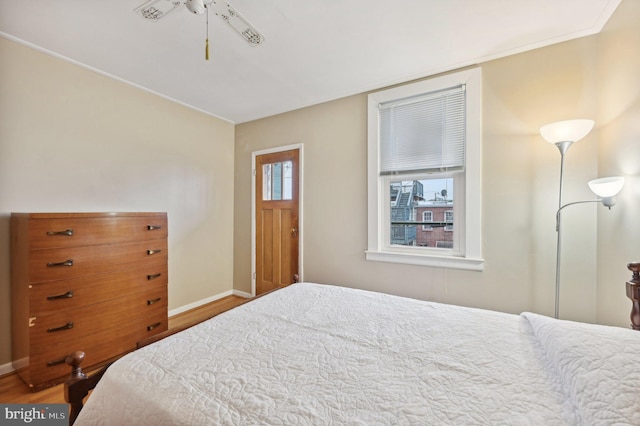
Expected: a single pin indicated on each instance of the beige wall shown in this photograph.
(73, 140)
(519, 188)
(619, 154)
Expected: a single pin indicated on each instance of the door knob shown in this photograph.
(294, 232)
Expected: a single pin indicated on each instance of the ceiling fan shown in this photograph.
(155, 10)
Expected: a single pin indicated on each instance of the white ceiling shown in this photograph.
(314, 51)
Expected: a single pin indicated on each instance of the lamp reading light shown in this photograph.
(607, 188)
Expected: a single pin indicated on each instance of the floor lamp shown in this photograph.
(563, 134)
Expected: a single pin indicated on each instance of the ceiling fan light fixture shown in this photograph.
(196, 6)
(154, 10)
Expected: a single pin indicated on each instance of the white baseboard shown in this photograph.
(242, 294)
(201, 302)
(6, 368)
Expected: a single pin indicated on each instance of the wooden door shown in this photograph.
(277, 199)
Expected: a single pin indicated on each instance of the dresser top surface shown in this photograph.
(61, 215)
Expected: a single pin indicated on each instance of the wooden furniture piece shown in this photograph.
(90, 281)
(633, 293)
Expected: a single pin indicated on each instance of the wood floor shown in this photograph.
(14, 391)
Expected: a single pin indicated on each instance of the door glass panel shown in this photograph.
(277, 181)
(266, 182)
(287, 181)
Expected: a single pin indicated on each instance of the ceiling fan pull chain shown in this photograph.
(206, 46)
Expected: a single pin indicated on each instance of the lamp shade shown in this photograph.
(606, 187)
(566, 131)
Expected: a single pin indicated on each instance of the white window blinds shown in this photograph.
(425, 133)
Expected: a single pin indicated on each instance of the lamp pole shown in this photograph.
(563, 147)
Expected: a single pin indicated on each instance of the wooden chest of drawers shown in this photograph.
(95, 282)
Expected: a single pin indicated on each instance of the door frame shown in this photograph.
(254, 154)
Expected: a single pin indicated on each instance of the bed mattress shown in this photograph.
(314, 354)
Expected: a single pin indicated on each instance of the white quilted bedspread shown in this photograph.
(322, 355)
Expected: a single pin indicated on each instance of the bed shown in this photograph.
(314, 354)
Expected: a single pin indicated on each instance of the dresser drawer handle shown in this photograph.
(153, 227)
(67, 295)
(68, 232)
(150, 252)
(154, 276)
(152, 301)
(152, 326)
(68, 262)
(67, 326)
(56, 362)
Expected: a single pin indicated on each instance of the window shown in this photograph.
(422, 135)
(427, 216)
(448, 219)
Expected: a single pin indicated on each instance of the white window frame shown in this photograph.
(467, 185)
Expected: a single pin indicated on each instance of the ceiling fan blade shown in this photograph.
(155, 10)
(236, 21)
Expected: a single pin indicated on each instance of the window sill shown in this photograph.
(427, 260)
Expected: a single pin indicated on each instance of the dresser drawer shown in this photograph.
(64, 295)
(119, 314)
(49, 364)
(55, 231)
(65, 263)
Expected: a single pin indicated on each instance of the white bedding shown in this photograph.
(315, 354)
